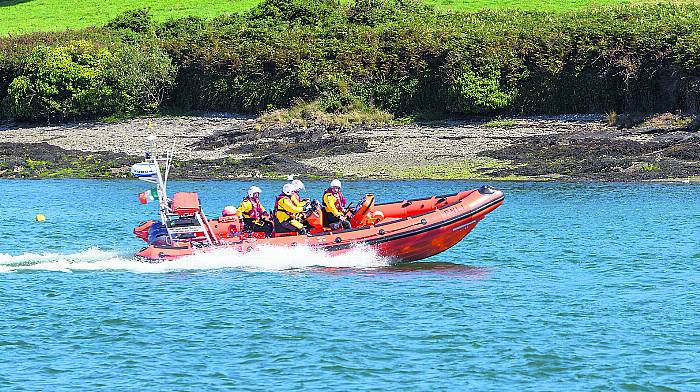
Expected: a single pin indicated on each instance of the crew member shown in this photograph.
(334, 207)
(255, 218)
(288, 214)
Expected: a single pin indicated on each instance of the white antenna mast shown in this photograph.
(149, 171)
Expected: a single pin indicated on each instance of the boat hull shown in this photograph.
(412, 230)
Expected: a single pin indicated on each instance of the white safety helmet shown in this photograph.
(335, 183)
(229, 211)
(287, 189)
(298, 185)
(253, 190)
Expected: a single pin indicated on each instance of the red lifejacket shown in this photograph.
(257, 212)
(340, 201)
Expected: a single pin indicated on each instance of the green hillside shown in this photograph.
(317, 58)
(25, 16)
(21, 16)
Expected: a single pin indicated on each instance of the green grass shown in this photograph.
(26, 16)
(498, 123)
(478, 169)
(20, 16)
(530, 5)
(650, 167)
(313, 113)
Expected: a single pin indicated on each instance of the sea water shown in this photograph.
(566, 286)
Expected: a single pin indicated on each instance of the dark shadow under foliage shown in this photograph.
(397, 55)
(8, 3)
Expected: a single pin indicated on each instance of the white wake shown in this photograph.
(264, 259)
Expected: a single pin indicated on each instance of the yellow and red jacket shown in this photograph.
(334, 203)
(286, 208)
(297, 199)
(251, 209)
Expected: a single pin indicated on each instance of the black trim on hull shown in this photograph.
(393, 221)
(434, 226)
(415, 200)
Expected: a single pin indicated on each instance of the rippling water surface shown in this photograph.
(566, 286)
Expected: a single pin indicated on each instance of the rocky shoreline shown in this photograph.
(574, 147)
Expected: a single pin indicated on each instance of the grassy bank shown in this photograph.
(361, 60)
(22, 17)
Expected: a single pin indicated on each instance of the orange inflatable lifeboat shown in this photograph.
(406, 230)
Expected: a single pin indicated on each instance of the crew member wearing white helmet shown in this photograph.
(288, 214)
(255, 218)
(298, 186)
(335, 207)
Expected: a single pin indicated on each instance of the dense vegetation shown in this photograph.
(396, 55)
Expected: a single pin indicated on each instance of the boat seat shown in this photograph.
(185, 203)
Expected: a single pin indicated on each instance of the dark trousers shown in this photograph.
(286, 227)
(333, 222)
(261, 226)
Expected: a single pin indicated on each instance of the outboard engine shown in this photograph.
(158, 234)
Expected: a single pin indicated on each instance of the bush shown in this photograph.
(183, 27)
(60, 82)
(300, 12)
(144, 74)
(83, 80)
(478, 92)
(138, 21)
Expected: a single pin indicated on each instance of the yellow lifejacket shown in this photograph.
(286, 208)
(332, 205)
(248, 209)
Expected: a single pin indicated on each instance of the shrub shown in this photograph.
(138, 21)
(143, 74)
(478, 92)
(406, 58)
(60, 82)
(183, 27)
(82, 80)
(302, 12)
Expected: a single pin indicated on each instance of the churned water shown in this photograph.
(564, 287)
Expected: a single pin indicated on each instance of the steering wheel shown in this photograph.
(357, 205)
